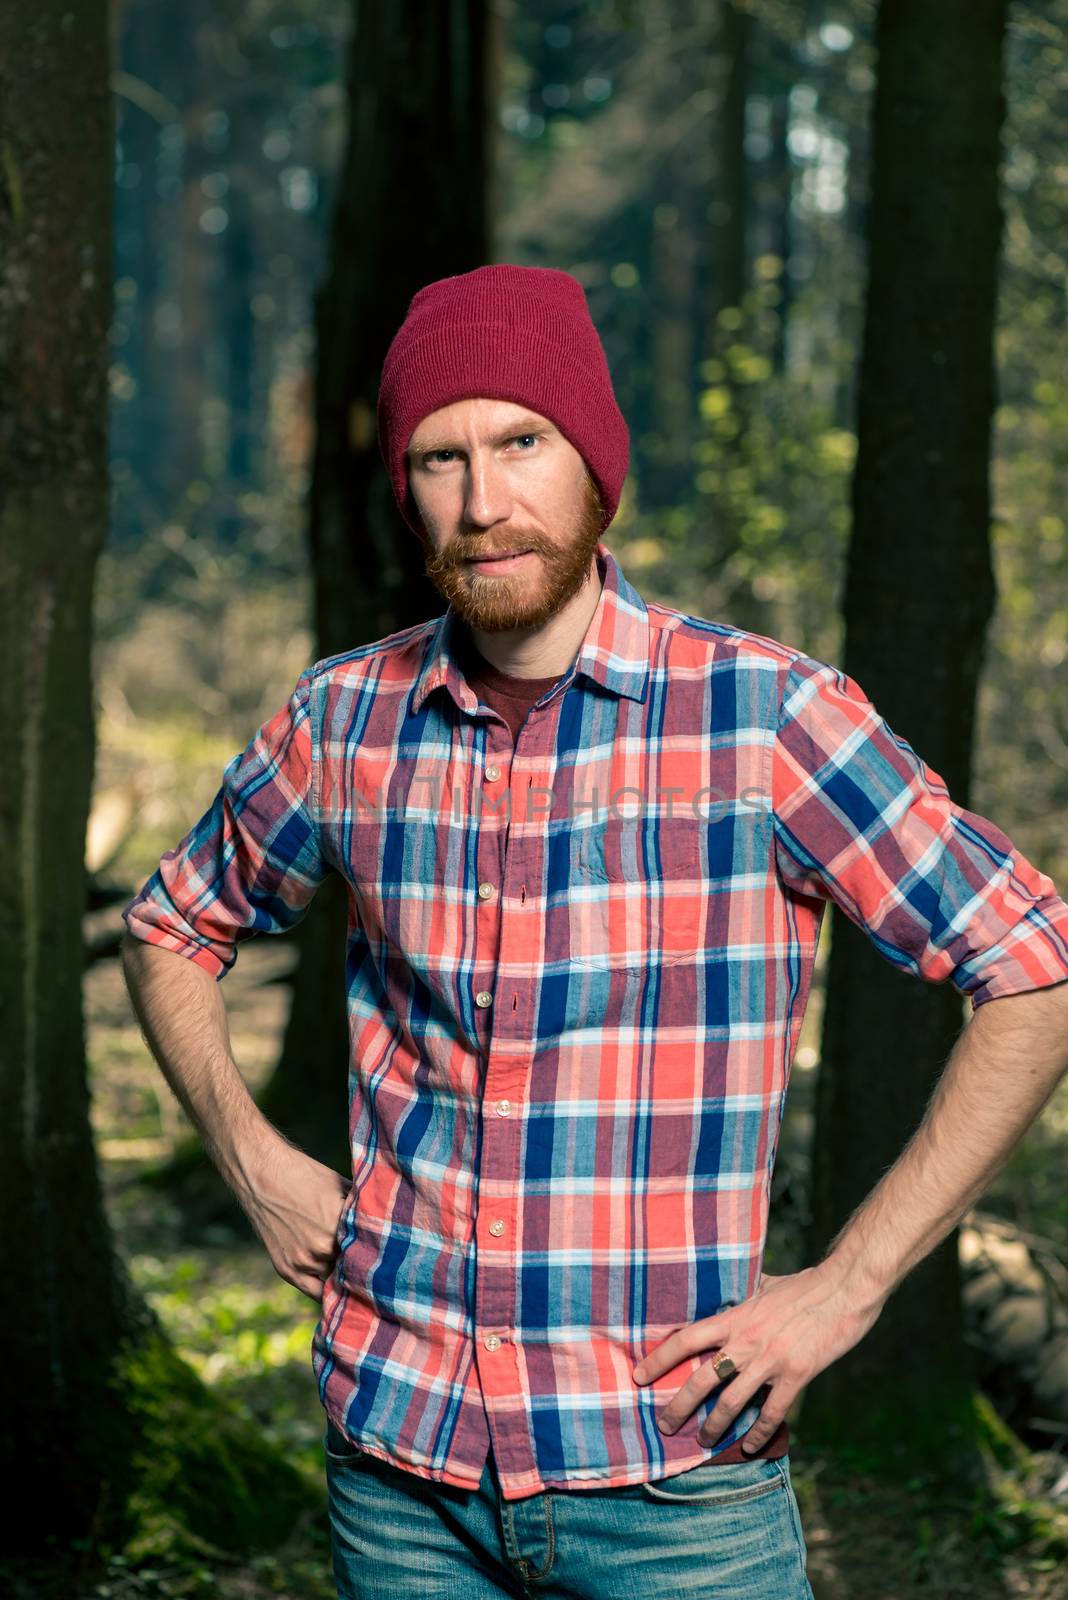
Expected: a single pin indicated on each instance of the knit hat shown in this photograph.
(508, 333)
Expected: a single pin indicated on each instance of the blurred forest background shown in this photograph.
(285, 176)
(674, 166)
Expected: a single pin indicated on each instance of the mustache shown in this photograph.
(512, 548)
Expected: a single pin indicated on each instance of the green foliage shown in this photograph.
(209, 1504)
(235, 1334)
(207, 1484)
(766, 526)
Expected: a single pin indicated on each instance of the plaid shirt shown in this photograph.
(576, 974)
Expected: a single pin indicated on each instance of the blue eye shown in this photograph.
(432, 454)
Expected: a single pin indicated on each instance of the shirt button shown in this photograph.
(492, 1342)
(485, 890)
(503, 1107)
(492, 773)
(483, 998)
(496, 1228)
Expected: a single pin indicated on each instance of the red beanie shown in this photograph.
(507, 333)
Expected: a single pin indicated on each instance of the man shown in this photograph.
(587, 844)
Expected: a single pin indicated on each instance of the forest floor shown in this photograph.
(248, 1335)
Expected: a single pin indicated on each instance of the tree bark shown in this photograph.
(730, 255)
(60, 1301)
(919, 596)
(106, 1434)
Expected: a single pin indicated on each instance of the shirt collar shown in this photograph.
(614, 652)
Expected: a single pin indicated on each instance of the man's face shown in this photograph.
(491, 477)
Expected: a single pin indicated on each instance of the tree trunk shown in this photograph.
(62, 1309)
(919, 596)
(781, 74)
(678, 270)
(727, 277)
(106, 1435)
(730, 257)
(412, 207)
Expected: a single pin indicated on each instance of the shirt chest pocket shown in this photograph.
(639, 891)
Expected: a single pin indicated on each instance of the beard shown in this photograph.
(537, 589)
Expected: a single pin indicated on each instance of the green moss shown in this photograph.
(203, 1482)
(996, 1439)
(1011, 1517)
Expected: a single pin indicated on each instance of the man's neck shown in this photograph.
(546, 651)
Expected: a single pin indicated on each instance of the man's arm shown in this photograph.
(291, 1200)
(251, 864)
(182, 1013)
(1000, 1073)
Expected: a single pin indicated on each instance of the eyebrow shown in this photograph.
(526, 424)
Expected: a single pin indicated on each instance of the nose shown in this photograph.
(487, 498)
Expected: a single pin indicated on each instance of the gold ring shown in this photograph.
(724, 1367)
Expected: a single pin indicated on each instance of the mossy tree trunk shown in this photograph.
(919, 596)
(60, 1292)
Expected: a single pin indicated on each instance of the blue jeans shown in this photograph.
(729, 1532)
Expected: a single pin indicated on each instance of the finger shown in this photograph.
(689, 1397)
(740, 1393)
(763, 1429)
(723, 1415)
(694, 1339)
(317, 1258)
(684, 1403)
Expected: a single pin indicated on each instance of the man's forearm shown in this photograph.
(183, 1016)
(1002, 1070)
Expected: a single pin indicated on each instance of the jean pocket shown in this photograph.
(340, 1449)
(712, 1483)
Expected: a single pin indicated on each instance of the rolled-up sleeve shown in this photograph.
(253, 861)
(861, 820)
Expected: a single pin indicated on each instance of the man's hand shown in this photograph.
(295, 1204)
(786, 1333)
